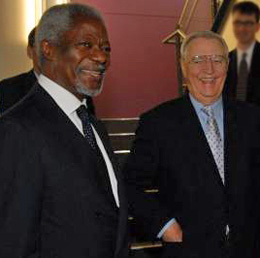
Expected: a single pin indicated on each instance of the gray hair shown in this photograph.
(202, 34)
(59, 19)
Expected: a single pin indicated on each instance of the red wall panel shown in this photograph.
(142, 72)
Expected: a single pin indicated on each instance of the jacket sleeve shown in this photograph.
(141, 172)
(20, 192)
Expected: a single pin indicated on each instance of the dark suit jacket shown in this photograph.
(253, 85)
(171, 152)
(52, 199)
(13, 89)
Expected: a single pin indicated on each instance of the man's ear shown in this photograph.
(29, 52)
(48, 50)
(183, 68)
(227, 64)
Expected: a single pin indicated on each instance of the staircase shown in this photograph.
(122, 133)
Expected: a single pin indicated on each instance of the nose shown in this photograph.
(101, 57)
(209, 67)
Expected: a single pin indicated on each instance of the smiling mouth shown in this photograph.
(207, 80)
(94, 73)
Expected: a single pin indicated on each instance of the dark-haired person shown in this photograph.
(243, 78)
(61, 193)
(15, 88)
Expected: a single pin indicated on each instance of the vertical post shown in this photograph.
(215, 5)
(178, 64)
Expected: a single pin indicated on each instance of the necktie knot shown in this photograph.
(244, 56)
(82, 113)
(208, 111)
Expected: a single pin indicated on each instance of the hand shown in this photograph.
(173, 233)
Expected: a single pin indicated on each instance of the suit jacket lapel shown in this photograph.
(255, 59)
(106, 142)
(198, 138)
(65, 130)
(254, 72)
(234, 72)
(231, 143)
(121, 189)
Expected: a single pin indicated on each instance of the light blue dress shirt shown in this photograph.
(217, 108)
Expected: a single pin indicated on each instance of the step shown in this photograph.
(121, 141)
(120, 125)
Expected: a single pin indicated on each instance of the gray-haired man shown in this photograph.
(197, 149)
(61, 194)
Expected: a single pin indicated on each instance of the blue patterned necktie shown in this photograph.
(84, 116)
(214, 140)
(216, 145)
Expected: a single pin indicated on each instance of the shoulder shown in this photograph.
(246, 106)
(167, 110)
(257, 48)
(23, 111)
(232, 54)
(14, 79)
(18, 83)
(245, 111)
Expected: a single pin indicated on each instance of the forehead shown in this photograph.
(204, 46)
(87, 28)
(244, 16)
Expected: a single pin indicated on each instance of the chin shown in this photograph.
(88, 91)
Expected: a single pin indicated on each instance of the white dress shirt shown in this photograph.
(249, 56)
(36, 75)
(69, 104)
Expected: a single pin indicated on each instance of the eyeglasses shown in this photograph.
(247, 24)
(216, 60)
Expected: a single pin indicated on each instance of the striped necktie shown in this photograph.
(214, 140)
(242, 79)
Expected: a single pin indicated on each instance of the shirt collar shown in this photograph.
(64, 99)
(249, 51)
(36, 74)
(217, 106)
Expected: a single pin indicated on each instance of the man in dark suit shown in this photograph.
(61, 194)
(15, 88)
(197, 151)
(243, 78)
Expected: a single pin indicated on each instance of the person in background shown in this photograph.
(243, 78)
(15, 88)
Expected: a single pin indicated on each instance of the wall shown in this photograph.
(14, 29)
(142, 72)
(17, 18)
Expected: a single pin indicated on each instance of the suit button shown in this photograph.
(98, 214)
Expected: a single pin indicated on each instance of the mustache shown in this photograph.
(102, 68)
